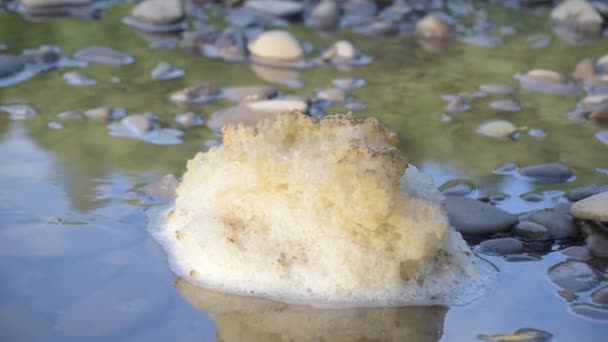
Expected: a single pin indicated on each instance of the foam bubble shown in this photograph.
(316, 212)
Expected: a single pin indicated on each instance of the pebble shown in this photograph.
(567, 295)
(577, 253)
(161, 191)
(45, 54)
(594, 208)
(160, 12)
(446, 118)
(355, 106)
(276, 45)
(580, 193)
(283, 76)
(602, 136)
(547, 173)
(70, 115)
(600, 296)
(537, 133)
(238, 114)
(501, 246)
(506, 169)
(55, 125)
(576, 18)
(595, 102)
(498, 89)
(78, 78)
(138, 123)
(482, 40)
(165, 71)
(433, 26)
(201, 93)
(135, 128)
(473, 217)
(333, 95)
(279, 105)
(189, 119)
(575, 276)
(53, 3)
(596, 240)
(249, 93)
(506, 105)
(105, 113)
(547, 81)
(276, 8)
(584, 70)
(18, 111)
(10, 65)
(103, 55)
(500, 129)
(348, 83)
(325, 15)
(457, 188)
(523, 335)
(539, 41)
(590, 311)
(559, 224)
(458, 104)
(530, 231)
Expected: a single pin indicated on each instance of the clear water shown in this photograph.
(77, 262)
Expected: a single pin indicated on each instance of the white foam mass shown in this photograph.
(316, 212)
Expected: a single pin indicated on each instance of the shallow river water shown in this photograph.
(77, 262)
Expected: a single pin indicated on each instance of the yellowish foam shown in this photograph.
(316, 212)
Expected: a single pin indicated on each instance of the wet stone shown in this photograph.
(506, 105)
(159, 11)
(500, 129)
(348, 83)
(45, 54)
(501, 246)
(594, 208)
(105, 113)
(249, 93)
(590, 311)
(584, 70)
(277, 8)
(189, 119)
(560, 225)
(201, 93)
(103, 55)
(77, 78)
(506, 169)
(137, 123)
(595, 102)
(458, 104)
(573, 275)
(69, 115)
(165, 71)
(55, 125)
(577, 252)
(276, 45)
(161, 191)
(597, 242)
(547, 81)
(580, 193)
(457, 188)
(10, 65)
(521, 258)
(602, 136)
(473, 217)
(325, 15)
(333, 95)
(547, 173)
(539, 41)
(567, 295)
(532, 197)
(537, 133)
(498, 89)
(18, 111)
(531, 231)
(600, 296)
(576, 20)
(524, 335)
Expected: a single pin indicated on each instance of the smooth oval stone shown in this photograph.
(590, 311)
(325, 15)
(166, 71)
(546, 76)
(595, 102)
(502, 246)
(532, 197)
(277, 8)
(249, 93)
(278, 105)
(457, 187)
(537, 133)
(103, 55)
(433, 26)
(335, 95)
(159, 11)
(201, 93)
(578, 194)
(189, 119)
(137, 123)
(578, 17)
(78, 78)
(560, 225)
(567, 295)
(70, 115)
(458, 104)
(506, 169)
(600, 296)
(32, 4)
(500, 129)
(482, 40)
(594, 208)
(284, 76)
(547, 173)
(602, 136)
(348, 83)
(523, 335)
(277, 45)
(547, 81)
(522, 258)
(575, 276)
(18, 111)
(473, 217)
(10, 65)
(45, 54)
(577, 252)
(584, 70)
(105, 113)
(55, 125)
(498, 89)
(506, 105)
(531, 231)
(597, 243)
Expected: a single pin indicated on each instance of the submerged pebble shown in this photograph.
(473, 217)
(55, 125)
(10, 65)
(575, 276)
(501, 129)
(189, 119)
(577, 252)
(498, 89)
(138, 123)
(139, 127)
(78, 78)
(482, 40)
(166, 71)
(249, 93)
(559, 224)
(201, 93)
(537, 133)
(602, 136)
(590, 311)
(600, 296)
(506, 105)
(531, 231)
(458, 104)
(547, 81)
(547, 173)
(103, 55)
(18, 111)
(70, 115)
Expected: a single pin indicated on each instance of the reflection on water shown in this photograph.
(240, 318)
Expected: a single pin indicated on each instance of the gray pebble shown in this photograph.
(348, 83)
(482, 40)
(165, 71)
(78, 78)
(502, 246)
(105, 113)
(531, 231)
(602, 136)
(18, 111)
(103, 55)
(55, 125)
(549, 173)
(532, 197)
(537, 133)
(577, 252)
(499, 89)
(458, 104)
(473, 217)
(189, 119)
(506, 105)
(69, 115)
(590, 311)
(575, 276)
(578, 194)
(10, 65)
(559, 224)
(600, 296)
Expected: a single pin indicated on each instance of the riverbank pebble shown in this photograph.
(473, 217)
(547, 173)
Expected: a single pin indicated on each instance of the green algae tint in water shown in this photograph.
(78, 263)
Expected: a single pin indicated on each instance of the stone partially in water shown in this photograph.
(577, 20)
(166, 71)
(433, 26)
(600, 296)
(18, 111)
(501, 246)
(573, 275)
(593, 208)
(602, 136)
(105, 113)
(591, 311)
(325, 15)
(201, 93)
(138, 123)
(278, 8)
(458, 104)
(159, 11)
(10, 65)
(473, 217)
(78, 78)
(313, 211)
(501, 129)
(276, 45)
(249, 93)
(189, 119)
(499, 89)
(348, 83)
(506, 105)
(531, 231)
(482, 40)
(547, 173)
(577, 252)
(103, 55)
(559, 224)
(584, 70)
(547, 81)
